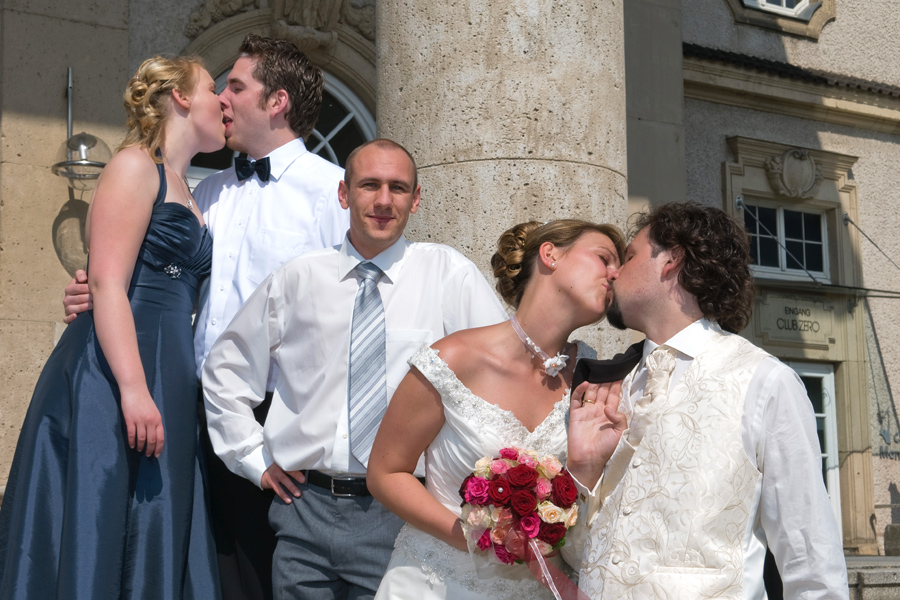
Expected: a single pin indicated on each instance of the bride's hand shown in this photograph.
(595, 427)
(143, 422)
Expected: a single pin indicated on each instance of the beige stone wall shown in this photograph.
(514, 111)
(92, 38)
(877, 180)
(861, 41)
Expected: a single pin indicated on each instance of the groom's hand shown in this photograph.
(276, 478)
(595, 427)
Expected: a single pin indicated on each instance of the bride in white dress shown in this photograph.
(477, 391)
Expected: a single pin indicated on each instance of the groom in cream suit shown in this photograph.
(720, 458)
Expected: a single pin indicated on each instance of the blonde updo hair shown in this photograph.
(148, 97)
(518, 247)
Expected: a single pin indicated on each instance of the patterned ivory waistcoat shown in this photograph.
(673, 528)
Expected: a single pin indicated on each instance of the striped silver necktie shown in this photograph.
(368, 388)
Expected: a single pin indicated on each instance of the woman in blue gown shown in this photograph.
(105, 499)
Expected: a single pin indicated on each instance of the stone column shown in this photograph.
(514, 110)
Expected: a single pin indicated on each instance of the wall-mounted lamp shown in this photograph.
(81, 157)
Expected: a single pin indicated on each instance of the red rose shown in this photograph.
(522, 476)
(552, 532)
(462, 489)
(510, 453)
(523, 502)
(499, 492)
(564, 491)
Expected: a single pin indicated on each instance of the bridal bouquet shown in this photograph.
(516, 501)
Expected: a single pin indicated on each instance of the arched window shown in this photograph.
(344, 123)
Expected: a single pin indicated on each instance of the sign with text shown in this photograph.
(795, 320)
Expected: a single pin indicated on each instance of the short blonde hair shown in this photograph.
(147, 98)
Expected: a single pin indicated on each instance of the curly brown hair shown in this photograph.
(518, 247)
(716, 263)
(281, 66)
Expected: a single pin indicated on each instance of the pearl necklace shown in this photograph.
(552, 366)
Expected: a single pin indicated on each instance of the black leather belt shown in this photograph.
(342, 487)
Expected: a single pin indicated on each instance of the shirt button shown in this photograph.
(213, 321)
(616, 559)
(626, 511)
(222, 288)
(231, 255)
(636, 463)
(345, 436)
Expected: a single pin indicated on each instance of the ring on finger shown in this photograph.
(583, 401)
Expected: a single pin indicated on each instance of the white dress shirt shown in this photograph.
(300, 317)
(258, 226)
(793, 515)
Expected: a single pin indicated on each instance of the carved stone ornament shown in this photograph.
(360, 15)
(309, 24)
(794, 174)
(212, 11)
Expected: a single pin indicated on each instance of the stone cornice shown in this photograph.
(723, 83)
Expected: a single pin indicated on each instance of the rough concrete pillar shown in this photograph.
(514, 110)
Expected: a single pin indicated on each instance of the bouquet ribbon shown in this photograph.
(556, 581)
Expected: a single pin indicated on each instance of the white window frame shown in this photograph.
(830, 452)
(803, 10)
(782, 271)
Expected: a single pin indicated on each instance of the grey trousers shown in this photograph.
(330, 548)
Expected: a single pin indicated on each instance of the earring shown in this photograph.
(553, 265)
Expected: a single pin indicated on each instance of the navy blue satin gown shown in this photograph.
(85, 516)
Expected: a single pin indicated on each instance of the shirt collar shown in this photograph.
(284, 156)
(390, 261)
(689, 341)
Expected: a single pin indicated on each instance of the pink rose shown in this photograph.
(542, 488)
(530, 524)
(477, 490)
(499, 467)
(502, 516)
(550, 466)
(510, 453)
(484, 542)
(498, 533)
(544, 548)
(527, 460)
(504, 556)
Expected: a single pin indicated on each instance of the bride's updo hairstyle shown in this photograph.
(148, 98)
(518, 247)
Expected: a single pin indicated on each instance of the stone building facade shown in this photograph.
(785, 113)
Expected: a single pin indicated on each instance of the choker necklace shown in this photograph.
(552, 366)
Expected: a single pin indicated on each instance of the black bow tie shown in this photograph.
(245, 168)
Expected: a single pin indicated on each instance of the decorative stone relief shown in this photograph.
(212, 11)
(309, 24)
(360, 15)
(794, 174)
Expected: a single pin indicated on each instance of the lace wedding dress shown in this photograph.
(425, 568)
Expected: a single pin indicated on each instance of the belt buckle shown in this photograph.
(335, 494)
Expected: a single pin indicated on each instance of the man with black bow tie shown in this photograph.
(261, 214)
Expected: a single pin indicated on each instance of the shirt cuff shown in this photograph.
(254, 464)
(616, 467)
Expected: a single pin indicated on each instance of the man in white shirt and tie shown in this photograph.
(340, 324)
(260, 214)
(721, 457)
